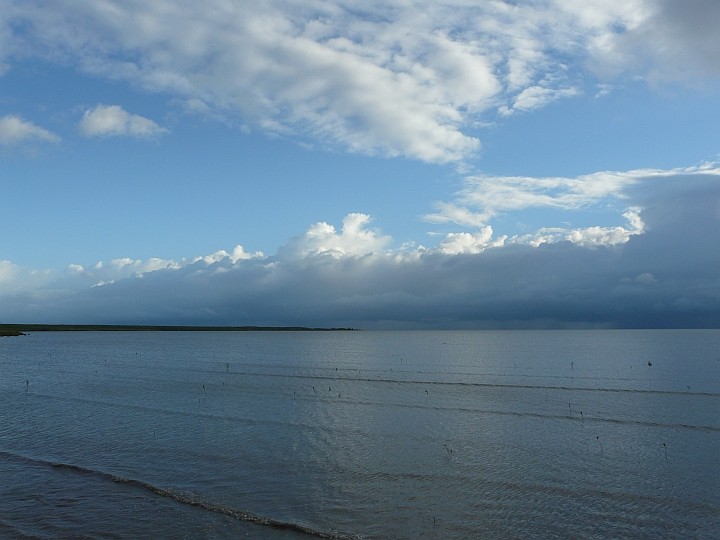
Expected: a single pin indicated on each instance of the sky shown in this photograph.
(390, 164)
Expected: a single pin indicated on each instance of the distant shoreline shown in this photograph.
(7, 332)
(23, 329)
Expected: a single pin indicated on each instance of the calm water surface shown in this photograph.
(548, 434)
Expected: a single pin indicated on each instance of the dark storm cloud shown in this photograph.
(677, 42)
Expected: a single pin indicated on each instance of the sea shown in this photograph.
(361, 434)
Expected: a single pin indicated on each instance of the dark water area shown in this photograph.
(507, 434)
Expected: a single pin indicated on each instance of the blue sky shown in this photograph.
(426, 164)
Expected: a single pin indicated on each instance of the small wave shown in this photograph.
(383, 378)
(188, 499)
(7, 530)
(549, 416)
(471, 410)
(480, 384)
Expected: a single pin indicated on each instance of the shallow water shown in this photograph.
(361, 434)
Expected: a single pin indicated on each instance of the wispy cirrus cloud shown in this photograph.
(483, 197)
(114, 121)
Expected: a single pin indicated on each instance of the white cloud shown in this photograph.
(16, 279)
(535, 97)
(399, 79)
(7, 271)
(603, 90)
(126, 267)
(459, 243)
(354, 240)
(113, 121)
(106, 272)
(238, 254)
(590, 236)
(452, 213)
(15, 130)
(484, 197)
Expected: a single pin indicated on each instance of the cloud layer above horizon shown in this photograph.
(660, 270)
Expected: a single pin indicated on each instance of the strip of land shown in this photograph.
(20, 329)
(9, 332)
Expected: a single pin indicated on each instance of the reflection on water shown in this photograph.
(369, 434)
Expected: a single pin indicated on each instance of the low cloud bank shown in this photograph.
(664, 275)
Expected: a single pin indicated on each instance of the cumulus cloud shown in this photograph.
(238, 254)
(15, 130)
(589, 236)
(393, 78)
(322, 239)
(456, 243)
(660, 270)
(113, 121)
